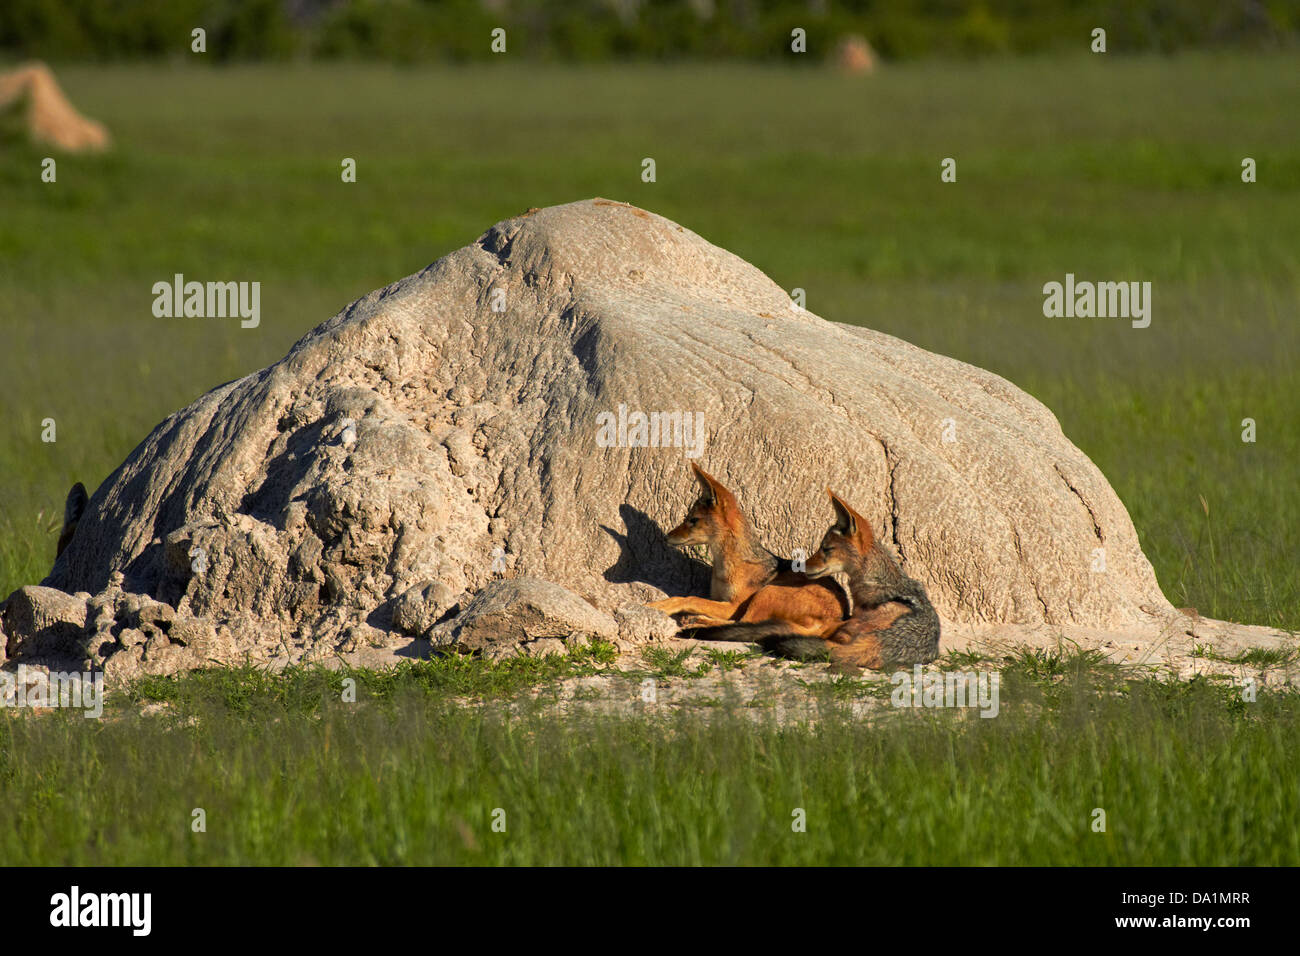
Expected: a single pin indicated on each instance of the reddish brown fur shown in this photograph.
(746, 586)
(856, 641)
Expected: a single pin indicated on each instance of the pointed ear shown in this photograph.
(845, 519)
(705, 480)
(714, 490)
(851, 524)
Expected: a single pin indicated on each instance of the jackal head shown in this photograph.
(845, 544)
(714, 514)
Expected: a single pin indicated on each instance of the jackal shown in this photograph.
(893, 621)
(750, 584)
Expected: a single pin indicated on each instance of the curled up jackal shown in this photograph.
(893, 622)
(750, 584)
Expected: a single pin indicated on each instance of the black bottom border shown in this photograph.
(335, 905)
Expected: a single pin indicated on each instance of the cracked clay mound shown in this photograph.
(480, 420)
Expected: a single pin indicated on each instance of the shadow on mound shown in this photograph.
(645, 557)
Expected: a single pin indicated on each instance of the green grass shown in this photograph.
(665, 663)
(1263, 658)
(1101, 166)
(241, 690)
(286, 773)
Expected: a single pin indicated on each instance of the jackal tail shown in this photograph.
(775, 637)
(753, 632)
(798, 647)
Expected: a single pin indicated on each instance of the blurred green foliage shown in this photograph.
(409, 31)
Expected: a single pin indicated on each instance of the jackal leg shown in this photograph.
(695, 621)
(860, 641)
(697, 605)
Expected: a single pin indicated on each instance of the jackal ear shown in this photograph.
(846, 522)
(851, 524)
(705, 480)
(713, 490)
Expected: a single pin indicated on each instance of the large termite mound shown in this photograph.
(527, 407)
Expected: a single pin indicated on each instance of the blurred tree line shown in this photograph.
(586, 30)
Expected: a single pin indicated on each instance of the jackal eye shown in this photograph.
(692, 520)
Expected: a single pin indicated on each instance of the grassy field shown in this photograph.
(1107, 167)
(287, 774)
(1101, 166)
